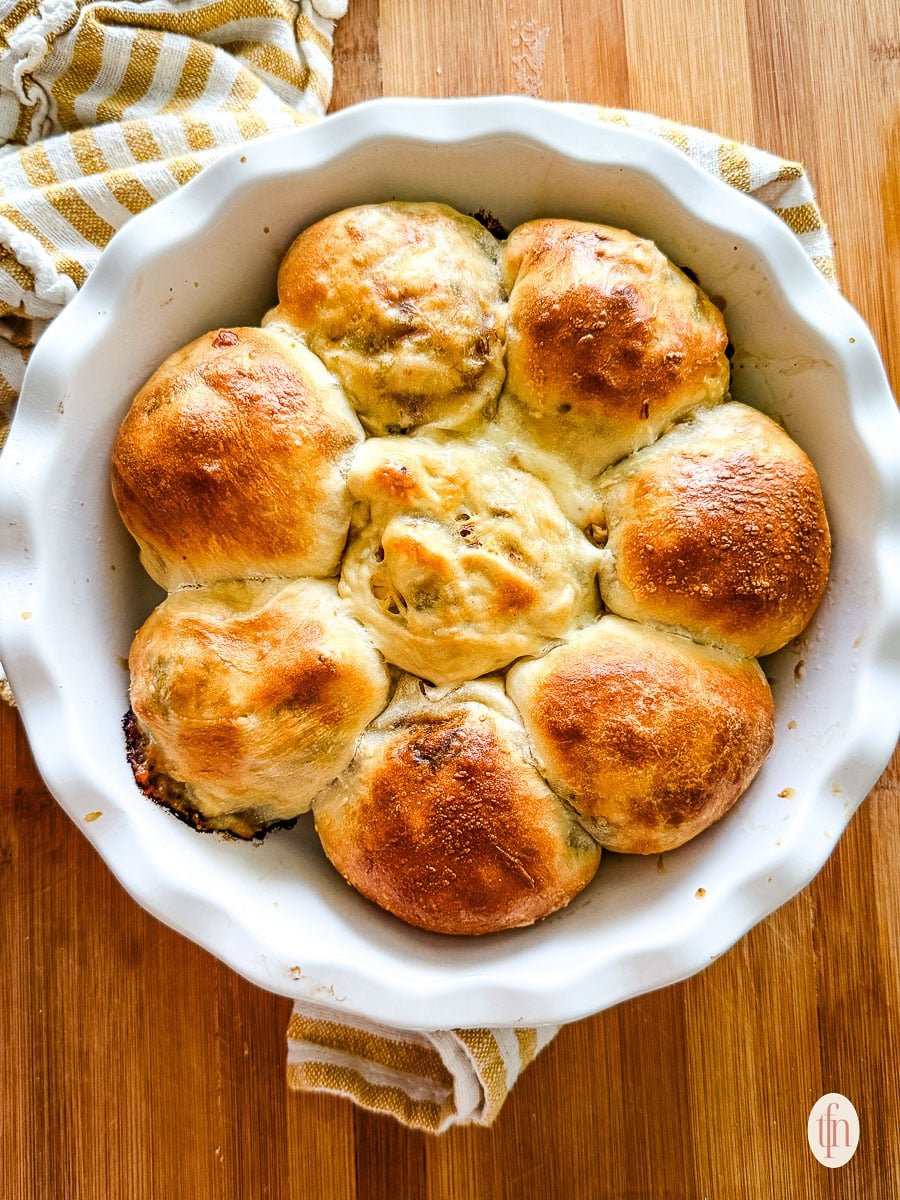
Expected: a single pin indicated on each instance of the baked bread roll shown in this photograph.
(443, 820)
(403, 302)
(458, 564)
(457, 525)
(248, 699)
(231, 461)
(608, 342)
(717, 530)
(649, 736)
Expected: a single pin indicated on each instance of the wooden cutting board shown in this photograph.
(133, 1065)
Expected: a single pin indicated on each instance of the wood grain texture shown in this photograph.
(135, 1066)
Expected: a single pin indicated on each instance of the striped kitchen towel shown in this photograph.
(777, 183)
(429, 1080)
(781, 185)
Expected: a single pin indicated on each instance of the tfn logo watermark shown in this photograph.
(833, 1130)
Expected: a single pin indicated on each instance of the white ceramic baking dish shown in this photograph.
(72, 593)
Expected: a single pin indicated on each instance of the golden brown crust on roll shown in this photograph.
(253, 695)
(608, 342)
(458, 564)
(718, 530)
(403, 302)
(231, 460)
(649, 736)
(442, 819)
